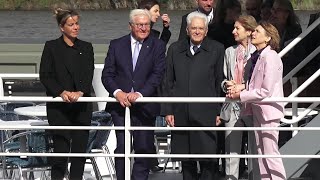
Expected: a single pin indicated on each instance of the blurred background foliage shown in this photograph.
(122, 4)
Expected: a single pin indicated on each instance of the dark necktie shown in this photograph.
(195, 49)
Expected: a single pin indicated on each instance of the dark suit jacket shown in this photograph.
(183, 27)
(59, 72)
(198, 75)
(118, 72)
(165, 35)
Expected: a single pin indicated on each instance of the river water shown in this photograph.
(98, 27)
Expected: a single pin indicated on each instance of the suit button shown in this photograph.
(80, 81)
(133, 81)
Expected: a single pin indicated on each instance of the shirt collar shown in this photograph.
(133, 40)
(191, 45)
(258, 52)
(75, 43)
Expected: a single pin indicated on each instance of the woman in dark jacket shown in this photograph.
(153, 6)
(286, 21)
(66, 70)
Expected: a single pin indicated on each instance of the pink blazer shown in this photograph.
(266, 81)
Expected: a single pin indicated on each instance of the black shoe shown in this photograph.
(156, 169)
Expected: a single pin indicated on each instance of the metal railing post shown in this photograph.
(127, 144)
(294, 84)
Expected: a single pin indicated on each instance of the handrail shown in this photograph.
(301, 65)
(176, 100)
(296, 92)
(108, 99)
(127, 128)
(297, 68)
(160, 155)
(299, 38)
(158, 99)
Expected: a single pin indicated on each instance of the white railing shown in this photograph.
(127, 128)
(299, 38)
(294, 82)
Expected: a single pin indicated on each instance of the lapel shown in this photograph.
(233, 61)
(184, 47)
(82, 61)
(66, 61)
(126, 52)
(144, 51)
(205, 46)
(259, 62)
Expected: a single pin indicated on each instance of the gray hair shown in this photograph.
(196, 14)
(138, 12)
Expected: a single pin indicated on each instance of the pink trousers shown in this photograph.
(267, 144)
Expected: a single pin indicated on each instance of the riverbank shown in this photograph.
(121, 4)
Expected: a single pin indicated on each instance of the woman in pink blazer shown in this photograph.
(265, 80)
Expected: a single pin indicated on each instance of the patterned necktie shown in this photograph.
(239, 69)
(135, 54)
(195, 49)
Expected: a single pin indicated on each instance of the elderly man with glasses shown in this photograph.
(134, 67)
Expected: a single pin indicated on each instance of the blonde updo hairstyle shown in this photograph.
(62, 15)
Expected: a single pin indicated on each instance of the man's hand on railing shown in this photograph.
(133, 96)
(170, 120)
(122, 98)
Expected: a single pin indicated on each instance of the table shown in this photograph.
(34, 111)
(29, 123)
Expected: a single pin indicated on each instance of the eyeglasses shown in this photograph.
(139, 25)
(201, 29)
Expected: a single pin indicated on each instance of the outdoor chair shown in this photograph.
(162, 137)
(38, 141)
(100, 141)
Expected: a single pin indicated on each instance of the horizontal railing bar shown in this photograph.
(227, 128)
(159, 155)
(26, 127)
(93, 154)
(18, 75)
(157, 99)
(224, 156)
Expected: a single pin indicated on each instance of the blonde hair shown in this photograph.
(273, 33)
(62, 15)
(248, 22)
